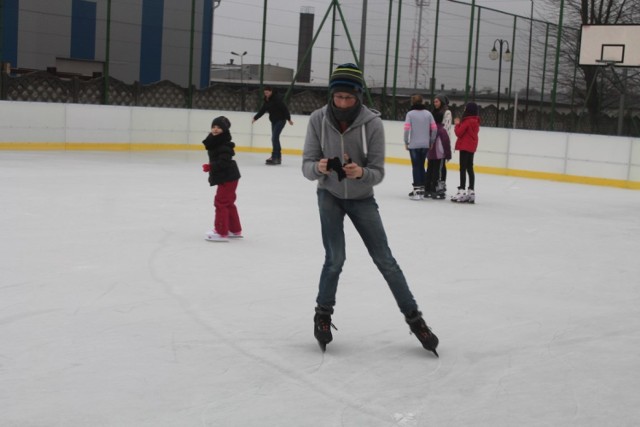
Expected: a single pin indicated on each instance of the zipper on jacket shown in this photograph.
(346, 191)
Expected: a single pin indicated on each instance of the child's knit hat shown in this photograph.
(443, 99)
(222, 122)
(471, 109)
(346, 78)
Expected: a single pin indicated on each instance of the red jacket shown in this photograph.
(467, 132)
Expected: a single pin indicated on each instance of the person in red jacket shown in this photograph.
(467, 130)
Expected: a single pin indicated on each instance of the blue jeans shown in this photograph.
(418, 157)
(276, 130)
(365, 217)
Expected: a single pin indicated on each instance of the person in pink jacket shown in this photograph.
(467, 130)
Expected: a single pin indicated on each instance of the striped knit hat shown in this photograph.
(346, 78)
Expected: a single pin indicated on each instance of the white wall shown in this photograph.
(551, 155)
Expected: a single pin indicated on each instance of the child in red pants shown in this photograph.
(223, 172)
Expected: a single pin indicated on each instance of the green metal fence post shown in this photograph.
(190, 89)
(513, 57)
(475, 62)
(544, 69)
(107, 59)
(526, 107)
(555, 72)
(432, 83)
(333, 37)
(386, 61)
(466, 88)
(395, 70)
(264, 37)
(353, 50)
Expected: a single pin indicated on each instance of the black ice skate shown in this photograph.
(322, 326)
(440, 191)
(273, 161)
(420, 329)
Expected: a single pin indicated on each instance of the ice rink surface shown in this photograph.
(116, 312)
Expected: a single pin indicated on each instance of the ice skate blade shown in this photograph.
(435, 352)
(223, 240)
(323, 346)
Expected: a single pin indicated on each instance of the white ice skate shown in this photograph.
(459, 197)
(417, 193)
(471, 196)
(212, 236)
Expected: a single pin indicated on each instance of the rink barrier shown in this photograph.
(556, 156)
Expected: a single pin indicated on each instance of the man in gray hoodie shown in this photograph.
(344, 151)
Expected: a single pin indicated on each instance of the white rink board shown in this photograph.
(580, 155)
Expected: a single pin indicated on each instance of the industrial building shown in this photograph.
(141, 40)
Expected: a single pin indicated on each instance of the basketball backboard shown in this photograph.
(610, 45)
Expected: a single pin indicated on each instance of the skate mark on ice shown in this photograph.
(327, 391)
(10, 319)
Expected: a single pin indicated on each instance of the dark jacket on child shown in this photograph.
(221, 151)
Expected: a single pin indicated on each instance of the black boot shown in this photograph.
(322, 326)
(420, 329)
(274, 161)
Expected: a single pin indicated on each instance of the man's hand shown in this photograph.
(322, 166)
(353, 171)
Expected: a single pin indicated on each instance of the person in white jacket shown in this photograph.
(420, 131)
(344, 151)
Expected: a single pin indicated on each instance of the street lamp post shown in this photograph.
(494, 54)
(241, 55)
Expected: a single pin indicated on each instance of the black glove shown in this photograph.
(336, 165)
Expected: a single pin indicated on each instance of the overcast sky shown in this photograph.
(238, 28)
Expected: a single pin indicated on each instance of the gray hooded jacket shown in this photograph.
(363, 142)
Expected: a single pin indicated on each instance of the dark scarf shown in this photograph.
(213, 141)
(344, 115)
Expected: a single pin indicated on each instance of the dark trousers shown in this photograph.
(435, 172)
(276, 130)
(466, 167)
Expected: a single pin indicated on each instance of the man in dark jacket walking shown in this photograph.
(278, 116)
